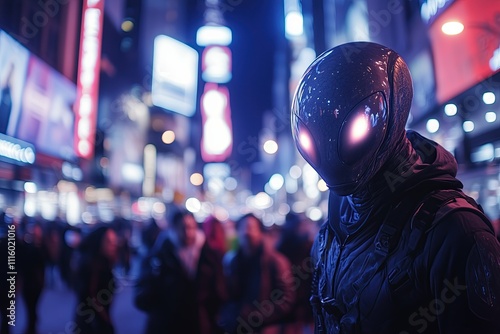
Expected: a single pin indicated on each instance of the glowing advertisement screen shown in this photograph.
(13, 67)
(467, 58)
(36, 106)
(47, 117)
(175, 76)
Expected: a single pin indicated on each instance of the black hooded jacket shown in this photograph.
(440, 278)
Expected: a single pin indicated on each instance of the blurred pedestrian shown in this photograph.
(167, 287)
(71, 238)
(95, 283)
(296, 245)
(260, 283)
(123, 228)
(33, 260)
(149, 234)
(52, 240)
(212, 289)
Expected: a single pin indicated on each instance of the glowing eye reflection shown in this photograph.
(305, 142)
(359, 129)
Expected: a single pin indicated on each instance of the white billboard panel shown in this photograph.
(175, 76)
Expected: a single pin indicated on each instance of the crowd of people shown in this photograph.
(192, 282)
(192, 277)
(51, 254)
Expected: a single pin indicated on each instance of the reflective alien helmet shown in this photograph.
(349, 112)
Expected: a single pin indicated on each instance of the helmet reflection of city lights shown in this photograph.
(349, 111)
(359, 129)
(305, 142)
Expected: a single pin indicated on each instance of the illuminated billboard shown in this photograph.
(36, 106)
(48, 119)
(13, 66)
(175, 76)
(469, 56)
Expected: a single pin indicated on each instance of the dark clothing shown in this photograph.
(149, 234)
(169, 295)
(68, 251)
(261, 290)
(95, 286)
(32, 267)
(297, 250)
(451, 281)
(212, 291)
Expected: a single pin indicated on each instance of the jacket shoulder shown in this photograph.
(459, 218)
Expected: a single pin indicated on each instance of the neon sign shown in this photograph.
(88, 77)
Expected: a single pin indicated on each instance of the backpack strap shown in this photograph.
(463, 203)
(423, 214)
(386, 239)
(428, 214)
(422, 220)
(435, 208)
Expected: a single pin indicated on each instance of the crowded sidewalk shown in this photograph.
(57, 306)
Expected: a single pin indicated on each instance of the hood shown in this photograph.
(434, 164)
(423, 164)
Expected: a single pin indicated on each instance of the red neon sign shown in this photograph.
(88, 77)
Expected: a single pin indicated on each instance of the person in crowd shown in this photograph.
(404, 250)
(295, 243)
(95, 284)
(260, 283)
(53, 242)
(124, 230)
(167, 288)
(212, 289)
(149, 234)
(33, 259)
(71, 237)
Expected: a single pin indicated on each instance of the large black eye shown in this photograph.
(304, 140)
(363, 130)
